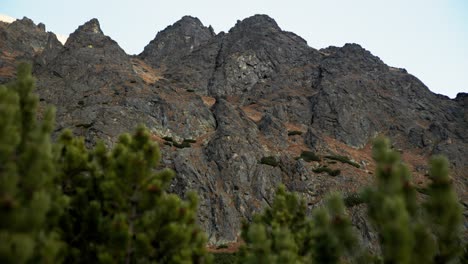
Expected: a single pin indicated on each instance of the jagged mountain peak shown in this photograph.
(351, 57)
(462, 97)
(256, 23)
(260, 31)
(90, 35)
(177, 40)
(187, 21)
(355, 48)
(27, 26)
(347, 49)
(92, 26)
(24, 21)
(86, 34)
(189, 26)
(23, 40)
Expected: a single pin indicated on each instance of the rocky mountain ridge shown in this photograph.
(220, 103)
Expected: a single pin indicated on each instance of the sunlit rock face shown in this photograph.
(237, 97)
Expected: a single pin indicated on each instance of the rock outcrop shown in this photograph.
(219, 103)
(22, 40)
(176, 41)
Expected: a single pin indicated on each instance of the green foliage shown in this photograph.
(278, 235)
(334, 236)
(30, 201)
(222, 246)
(343, 159)
(169, 139)
(328, 170)
(464, 258)
(409, 231)
(269, 160)
(393, 210)
(120, 210)
(66, 203)
(294, 132)
(184, 144)
(444, 212)
(225, 258)
(353, 199)
(309, 156)
(284, 234)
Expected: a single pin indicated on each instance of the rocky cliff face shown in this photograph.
(237, 97)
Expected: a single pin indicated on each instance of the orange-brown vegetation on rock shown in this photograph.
(357, 154)
(158, 139)
(252, 111)
(295, 127)
(231, 247)
(296, 146)
(8, 70)
(414, 159)
(208, 101)
(202, 139)
(147, 73)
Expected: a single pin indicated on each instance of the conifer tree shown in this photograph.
(284, 234)
(387, 205)
(120, 210)
(334, 237)
(278, 235)
(117, 208)
(409, 231)
(30, 201)
(444, 213)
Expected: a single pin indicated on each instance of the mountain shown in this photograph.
(220, 105)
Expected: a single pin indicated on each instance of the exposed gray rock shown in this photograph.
(22, 40)
(274, 130)
(237, 94)
(176, 41)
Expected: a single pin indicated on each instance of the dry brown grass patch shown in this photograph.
(208, 101)
(147, 73)
(252, 112)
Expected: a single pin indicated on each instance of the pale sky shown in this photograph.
(429, 38)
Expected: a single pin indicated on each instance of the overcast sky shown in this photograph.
(427, 37)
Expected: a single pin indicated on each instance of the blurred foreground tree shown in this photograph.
(120, 210)
(412, 232)
(30, 201)
(64, 202)
(409, 231)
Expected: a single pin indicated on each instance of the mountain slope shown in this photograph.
(253, 92)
